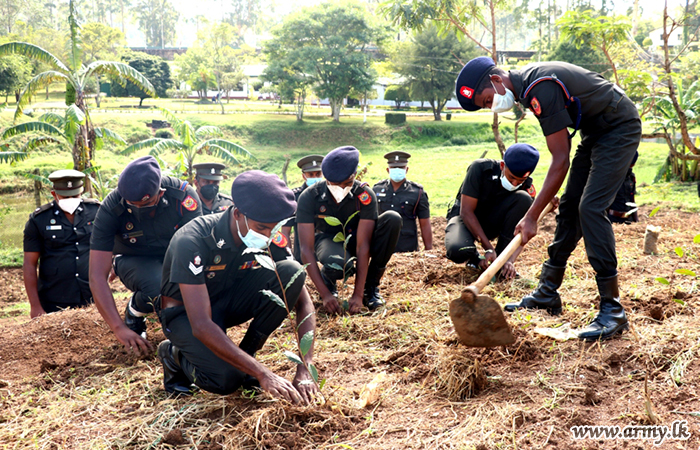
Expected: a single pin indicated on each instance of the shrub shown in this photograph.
(397, 94)
(164, 134)
(395, 118)
(459, 140)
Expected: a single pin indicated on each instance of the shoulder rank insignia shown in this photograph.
(280, 240)
(531, 190)
(364, 198)
(535, 106)
(189, 203)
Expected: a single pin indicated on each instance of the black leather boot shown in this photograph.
(372, 298)
(546, 295)
(611, 318)
(135, 324)
(174, 379)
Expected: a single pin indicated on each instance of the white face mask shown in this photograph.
(338, 192)
(252, 239)
(503, 103)
(507, 185)
(69, 205)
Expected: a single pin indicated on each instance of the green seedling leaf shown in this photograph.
(679, 301)
(322, 383)
(306, 340)
(346, 305)
(339, 237)
(301, 270)
(688, 272)
(679, 251)
(662, 280)
(347, 239)
(275, 298)
(304, 319)
(332, 221)
(293, 357)
(350, 218)
(654, 211)
(696, 239)
(338, 257)
(334, 266)
(314, 375)
(265, 261)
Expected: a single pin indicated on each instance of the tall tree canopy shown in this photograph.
(152, 67)
(158, 21)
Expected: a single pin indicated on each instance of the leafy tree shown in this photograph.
(100, 41)
(588, 58)
(397, 94)
(201, 80)
(76, 75)
(244, 14)
(230, 81)
(9, 12)
(158, 21)
(191, 142)
(429, 63)
(152, 67)
(328, 42)
(15, 71)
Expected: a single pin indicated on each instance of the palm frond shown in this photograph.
(75, 114)
(34, 52)
(187, 134)
(33, 127)
(36, 83)
(146, 143)
(76, 53)
(109, 135)
(71, 128)
(38, 142)
(34, 177)
(223, 154)
(10, 157)
(207, 131)
(229, 146)
(171, 117)
(52, 118)
(121, 73)
(166, 144)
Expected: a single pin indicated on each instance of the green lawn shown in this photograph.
(437, 163)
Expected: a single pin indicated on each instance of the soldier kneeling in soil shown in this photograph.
(58, 235)
(211, 283)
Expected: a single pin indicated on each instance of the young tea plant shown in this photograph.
(685, 272)
(347, 269)
(305, 342)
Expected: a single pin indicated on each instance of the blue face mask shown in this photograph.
(252, 239)
(397, 174)
(310, 181)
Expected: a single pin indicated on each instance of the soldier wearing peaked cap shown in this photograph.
(407, 198)
(311, 172)
(212, 281)
(57, 243)
(207, 178)
(135, 224)
(561, 96)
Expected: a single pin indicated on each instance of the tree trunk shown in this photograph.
(287, 158)
(335, 109)
(497, 135)
(47, 92)
(494, 55)
(37, 189)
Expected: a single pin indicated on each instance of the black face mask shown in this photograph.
(144, 212)
(209, 191)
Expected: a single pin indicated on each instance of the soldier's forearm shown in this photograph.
(30, 285)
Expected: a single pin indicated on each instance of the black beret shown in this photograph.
(340, 164)
(263, 197)
(140, 179)
(521, 159)
(469, 79)
(67, 182)
(209, 171)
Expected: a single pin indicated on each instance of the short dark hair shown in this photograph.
(486, 81)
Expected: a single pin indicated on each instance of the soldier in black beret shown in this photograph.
(207, 178)
(57, 242)
(407, 198)
(562, 96)
(494, 196)
(212, 281)
(135, 224)
(311, 172)
(322, 210)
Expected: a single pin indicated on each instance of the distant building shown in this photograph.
(675, 39)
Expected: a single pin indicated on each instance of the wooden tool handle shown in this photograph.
(495, 266)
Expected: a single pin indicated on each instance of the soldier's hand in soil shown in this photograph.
(527, 227)
(489, 257)
(331, 305)
(280, 388)
(355, 304)
(132, 341)
(508, 271)
(305, 385)
(36, 312)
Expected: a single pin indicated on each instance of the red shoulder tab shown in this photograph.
(189, 203)
(364, 198)
(280, 240)
(531, 190)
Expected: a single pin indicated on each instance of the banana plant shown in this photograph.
(83, 134)
(190, 142)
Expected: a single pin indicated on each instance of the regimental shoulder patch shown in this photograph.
(535, 106)
(189, 203)
(364, 198)
(280, 240)
(532, 191)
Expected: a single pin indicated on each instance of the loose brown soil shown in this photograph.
(65, 382)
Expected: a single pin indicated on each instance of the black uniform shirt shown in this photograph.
(220, 204)
(203, 252)
(118, 231)
(547, 99)
(411, 201)
(297, 193)
(483, 182)
(316, 203)
(64, 250)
